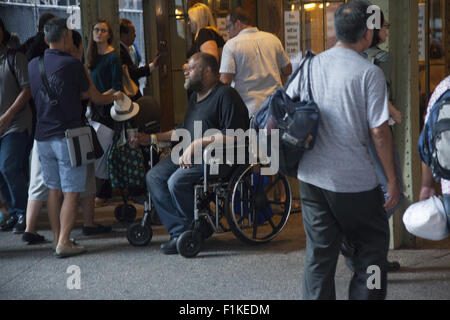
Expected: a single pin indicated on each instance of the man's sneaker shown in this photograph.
(9, 224)
(64, 252)
(33, 238)
(98, 229)
(20, 226)
(170, 247)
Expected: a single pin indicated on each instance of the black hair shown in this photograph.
(76, 37)
(350, 21)
(239, 13)
(43, 19)
(54, 29)
(208, 60)
(6, 34)
(125, 25)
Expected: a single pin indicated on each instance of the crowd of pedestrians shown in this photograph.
(347, 199)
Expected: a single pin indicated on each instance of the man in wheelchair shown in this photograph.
(171, 183)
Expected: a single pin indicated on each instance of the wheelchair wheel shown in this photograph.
(189, 244)
(139, 235)
(125, 213)
(257, 207)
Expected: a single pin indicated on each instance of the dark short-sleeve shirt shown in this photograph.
(205, 35)
(107, 74)
(223, 109)
(10, 87)
(67, 78)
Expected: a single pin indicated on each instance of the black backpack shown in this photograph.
(297, 122)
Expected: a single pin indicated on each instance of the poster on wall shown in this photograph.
(292, 36)
(421, 32)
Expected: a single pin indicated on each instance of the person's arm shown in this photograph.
(395, 113)
(100, 99)
(211, 48)
(20, 102)
(227, 78)
(383, 140)
(286, 72)
(427, 189)
(185, 160)
(145, 139)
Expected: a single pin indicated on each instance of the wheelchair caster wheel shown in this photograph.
(189, 244)
(139, 235)
(125, 213)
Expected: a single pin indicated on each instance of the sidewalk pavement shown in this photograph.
(226, 269)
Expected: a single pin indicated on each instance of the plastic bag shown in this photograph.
(427, 219)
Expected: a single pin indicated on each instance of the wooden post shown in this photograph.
(151, 45)
(404, 52)
(165, 66)
(270, 17)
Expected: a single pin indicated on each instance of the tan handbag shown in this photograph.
(129, 86)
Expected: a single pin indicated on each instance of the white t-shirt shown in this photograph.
(255, 58)
(351, 94)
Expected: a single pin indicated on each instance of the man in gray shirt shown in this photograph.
(341, 200)
(15, 124)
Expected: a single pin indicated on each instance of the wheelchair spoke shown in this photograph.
(269, 219)
(270, 186)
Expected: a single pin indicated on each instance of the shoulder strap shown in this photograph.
(50, 93)
(308, 56)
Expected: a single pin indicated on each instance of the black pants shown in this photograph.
(361, 220)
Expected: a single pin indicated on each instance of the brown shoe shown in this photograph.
(64, 252)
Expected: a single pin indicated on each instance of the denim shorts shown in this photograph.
(57, 171)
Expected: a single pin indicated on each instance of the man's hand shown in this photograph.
(426, 193)
(118, 95)
(396, 116)
(5, 122)
(142, 139)
(185, 161)
(394, 195)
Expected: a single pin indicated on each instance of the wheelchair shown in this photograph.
(254, 207)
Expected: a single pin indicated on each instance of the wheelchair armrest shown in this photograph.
(215, 160)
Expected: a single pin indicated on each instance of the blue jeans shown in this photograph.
(172, 193)
(56, 168)
(447, 208)
(13, 178)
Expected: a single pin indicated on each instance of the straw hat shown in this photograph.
(124, 109)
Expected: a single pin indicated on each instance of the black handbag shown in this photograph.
(297, 122)
(82, 141)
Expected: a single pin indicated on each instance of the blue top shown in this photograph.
(107, 74)
(67, 78)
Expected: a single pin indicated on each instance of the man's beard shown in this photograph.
(194, 84)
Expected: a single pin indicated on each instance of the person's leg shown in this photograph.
(37, 195)
(323, 241)
(54, 204)
(73, 182)
(365, 226)
(181, 187)
(447, 208)
(68, 215)
(157, 184)
(12, 157)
